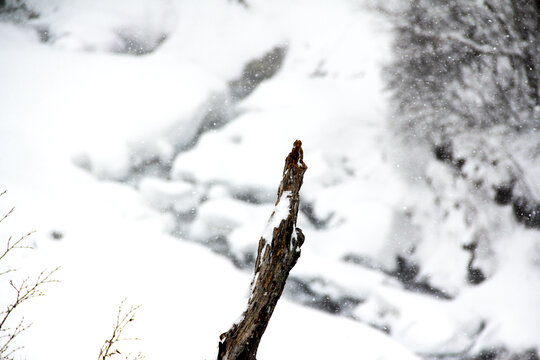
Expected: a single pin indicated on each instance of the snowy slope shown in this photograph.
(145, 163)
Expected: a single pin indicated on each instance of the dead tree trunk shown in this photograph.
(279, 249)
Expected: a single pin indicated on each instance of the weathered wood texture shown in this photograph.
(275, 259)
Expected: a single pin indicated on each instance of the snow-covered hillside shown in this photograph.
(144, 141)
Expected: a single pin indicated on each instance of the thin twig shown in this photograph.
(16, 245)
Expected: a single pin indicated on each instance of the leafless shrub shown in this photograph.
(22, 291)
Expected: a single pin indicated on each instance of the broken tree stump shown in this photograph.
(279, 249)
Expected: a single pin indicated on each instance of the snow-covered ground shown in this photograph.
(148, 177)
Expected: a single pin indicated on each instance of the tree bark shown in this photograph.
(279, 249)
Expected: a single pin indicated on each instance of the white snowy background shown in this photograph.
(148, 166)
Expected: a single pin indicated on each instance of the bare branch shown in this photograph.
(485, 49)
(25, 291)
(9, 212)
(16, 245)
(123, 318)
(6, 338)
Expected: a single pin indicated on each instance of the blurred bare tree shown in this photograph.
(462, 65)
